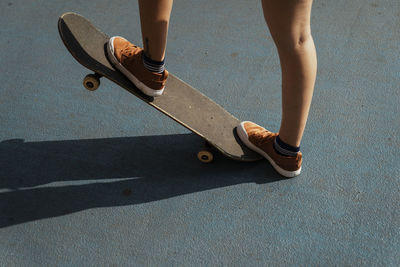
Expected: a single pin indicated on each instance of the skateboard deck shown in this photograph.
(180, 101)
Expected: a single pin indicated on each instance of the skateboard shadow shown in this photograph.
(49, 179)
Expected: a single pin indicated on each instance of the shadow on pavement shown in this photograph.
(48, 179)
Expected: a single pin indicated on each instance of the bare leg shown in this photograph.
(154, 19)
(289, 24)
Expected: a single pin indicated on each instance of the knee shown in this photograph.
(294, 42)
(302, 39)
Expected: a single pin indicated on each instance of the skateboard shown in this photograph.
(181, 102)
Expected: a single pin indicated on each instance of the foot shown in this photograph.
(128, 58)
(262, 141)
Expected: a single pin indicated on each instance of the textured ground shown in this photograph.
(103, 179)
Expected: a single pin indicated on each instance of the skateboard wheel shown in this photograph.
(205, 156)
(91, 82)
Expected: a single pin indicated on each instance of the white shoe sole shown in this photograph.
(141, 86)
(245, 139)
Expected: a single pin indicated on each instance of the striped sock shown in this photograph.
(285, 149)
(153, 66)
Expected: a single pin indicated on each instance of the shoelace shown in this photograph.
(127, 51)
(262, 137)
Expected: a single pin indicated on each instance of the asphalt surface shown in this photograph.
(102, 179)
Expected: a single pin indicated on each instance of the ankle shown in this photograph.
(153, 65)
(284, 148)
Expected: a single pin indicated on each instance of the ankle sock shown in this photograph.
(285, 149)
(153, 66)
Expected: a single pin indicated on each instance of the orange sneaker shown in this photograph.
(128, 58)
(262, 141)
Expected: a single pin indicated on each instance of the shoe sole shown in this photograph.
(245, 139)
(141, 86)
